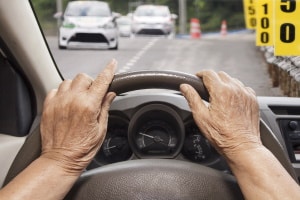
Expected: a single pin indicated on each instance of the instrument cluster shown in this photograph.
(154, 130)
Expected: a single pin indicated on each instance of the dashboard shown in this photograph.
(143, 126)
(154, 124)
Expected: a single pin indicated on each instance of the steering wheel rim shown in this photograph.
(96, 184)
(137, 80)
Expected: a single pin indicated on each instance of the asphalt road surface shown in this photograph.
(235, 54)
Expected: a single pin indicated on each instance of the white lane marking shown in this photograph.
(137, 56)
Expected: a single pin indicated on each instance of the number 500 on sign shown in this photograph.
(287, 27)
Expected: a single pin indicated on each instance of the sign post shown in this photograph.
(265, 23)
(250, 13)
(287, 27)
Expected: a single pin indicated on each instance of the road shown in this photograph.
(235, 54)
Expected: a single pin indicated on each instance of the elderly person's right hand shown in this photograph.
(231, 119)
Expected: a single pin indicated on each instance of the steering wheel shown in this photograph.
(151, 178)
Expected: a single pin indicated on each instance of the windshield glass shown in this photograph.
(82, 9)
(196, 35)
(124, 21)
(152, 12)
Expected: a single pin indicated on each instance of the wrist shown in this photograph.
(242, 154)
(36, 180)
(261, 176)
(238, 147)
(245, 156)
(65, 162)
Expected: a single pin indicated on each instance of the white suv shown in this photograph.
(88, 24)
(153, 20)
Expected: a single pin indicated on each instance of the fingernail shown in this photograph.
(113, 61)
(114, 64)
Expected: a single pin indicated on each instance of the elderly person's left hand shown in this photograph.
(73, 127)
(74, 120)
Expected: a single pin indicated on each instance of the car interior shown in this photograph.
(131, 161)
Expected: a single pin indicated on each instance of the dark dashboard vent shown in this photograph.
(284, 110)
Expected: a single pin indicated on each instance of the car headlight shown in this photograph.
(68, 25)
(109, 25)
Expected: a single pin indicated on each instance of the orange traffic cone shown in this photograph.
(224, 28)
(195, 30)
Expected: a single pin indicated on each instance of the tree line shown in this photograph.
(210, 12)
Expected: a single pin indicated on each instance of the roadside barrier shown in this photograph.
(284, 71)
(195, 29)
(223, 28)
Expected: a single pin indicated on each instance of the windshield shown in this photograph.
(197, 35)
(124, 21)
(152, 12)
(82, 9)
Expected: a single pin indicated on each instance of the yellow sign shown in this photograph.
(250, 13)
(287, 27)
(264, 28)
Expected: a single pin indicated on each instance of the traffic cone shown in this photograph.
(195, 30)
(224, 28)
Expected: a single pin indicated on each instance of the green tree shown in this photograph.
(212, 12)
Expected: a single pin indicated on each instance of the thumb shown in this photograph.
(198, 107)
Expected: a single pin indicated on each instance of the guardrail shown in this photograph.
(284, 71)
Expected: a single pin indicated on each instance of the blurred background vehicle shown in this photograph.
(88, 24)
(153, 20)
(124, 26)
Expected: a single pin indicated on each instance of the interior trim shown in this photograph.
(9, 147)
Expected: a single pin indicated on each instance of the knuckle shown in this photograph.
(87, 107)
(81, 75)
(65, 82)
(82, 78)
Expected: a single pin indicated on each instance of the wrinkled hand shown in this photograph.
(230, 121)
(74, 120)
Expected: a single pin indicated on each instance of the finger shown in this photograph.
(81, 82)
(238, 82)
(101, 83)
(103, 116)
(198, 108)
(224, 76)
(64, 86)
(210, 79)
(106, 105)
(229, 80)
(107, 101)
(50, 96)
(250, 90)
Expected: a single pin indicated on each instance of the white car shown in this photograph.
(88, 24)
(124, 26)
(153, 20)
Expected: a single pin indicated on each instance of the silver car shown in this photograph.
(153, 20)
(88, 24)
